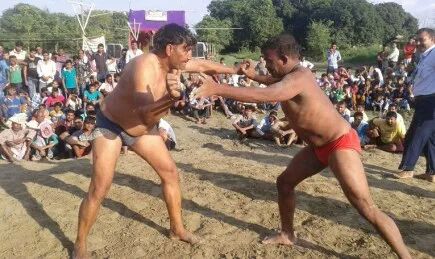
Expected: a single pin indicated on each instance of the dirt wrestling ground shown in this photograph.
(229, 200)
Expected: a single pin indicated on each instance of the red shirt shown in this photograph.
(51, 101)
(409, 50)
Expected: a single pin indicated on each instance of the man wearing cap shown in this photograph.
(15, 141)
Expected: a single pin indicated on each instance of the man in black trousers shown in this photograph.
(420, 137)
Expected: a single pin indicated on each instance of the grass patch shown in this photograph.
(360, 55)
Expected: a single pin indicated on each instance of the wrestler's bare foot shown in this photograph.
(281, 238)
(186, 237)
(80, 252)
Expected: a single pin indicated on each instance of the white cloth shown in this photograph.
(394, 56)
(307, 64)
(131, 54)
(107, 87)
(111, 66)
(20, 55)
(424, 81)
(167, 127)
(46, 69)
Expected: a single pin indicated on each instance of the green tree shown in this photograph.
(396, 20)
(318, 38)
(219, 37)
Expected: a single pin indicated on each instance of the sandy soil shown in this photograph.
(229, 200)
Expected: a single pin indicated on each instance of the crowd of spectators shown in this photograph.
(49, 100)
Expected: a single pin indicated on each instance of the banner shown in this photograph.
(92, 44)
(156, 16)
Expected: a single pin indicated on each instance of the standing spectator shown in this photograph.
(333, 57)
(409, 50)
(69, 78)
(111, 65)
(100, 59)
(421, 134)
(18, 52)
(31, 73)
(4, 75)
(15, 73)
(46, 70)
(122, 61)
(39, 53)
(83, 68)
(61, 59)
(133, 52)
(393, 58)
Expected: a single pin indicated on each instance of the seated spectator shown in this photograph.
(84, 137)
(200, 109)
(93, 95)
(55, 97)
(265, 126)
(361, 127)
(167, 134)
(360, 108)
(386, 134)
(11, 103)
(246, 124)
(15, 141)
(283, 134)
(401, 97)
(399, 119)
(108, 86)
(57, 112)
(343, 111)
(45, 143)
(73, 102)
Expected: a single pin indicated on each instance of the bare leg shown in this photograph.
(105, 153)
(348, 169)
(152, 149)
(7, 153)
(303, 165)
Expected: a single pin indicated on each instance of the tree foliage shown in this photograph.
(318, 37)
(353, 22)
(36, 27)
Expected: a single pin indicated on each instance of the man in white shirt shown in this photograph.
(333, 57)
(108, 85)
(306, 63)
(18, 52)
(393, 58)
(133, 52)
(420, 137)
(46, 69)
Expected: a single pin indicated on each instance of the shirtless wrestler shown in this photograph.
(331, 141)
(148, 87)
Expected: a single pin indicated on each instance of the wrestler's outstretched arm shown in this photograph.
(287, 88)
(209, 67)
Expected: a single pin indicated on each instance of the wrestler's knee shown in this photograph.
(169, 175)
(98, 191)
(366, 208)
(284, 184)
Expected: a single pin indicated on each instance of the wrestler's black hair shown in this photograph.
(172, 34)
(285, 44)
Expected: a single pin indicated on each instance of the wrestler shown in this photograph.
(331, 140)
(129, 116)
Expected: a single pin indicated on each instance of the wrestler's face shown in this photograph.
(178, 55)
(274, 63)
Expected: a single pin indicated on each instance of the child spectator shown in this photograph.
(57, 113)
(93, 95)
(55, 97)
(15, 73)
(73, 102)
(45, 143)
(12, 103)
(69, 77)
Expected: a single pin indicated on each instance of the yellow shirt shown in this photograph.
(389, 133)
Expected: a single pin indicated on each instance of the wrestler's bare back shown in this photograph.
(310, 112)
(142, 83)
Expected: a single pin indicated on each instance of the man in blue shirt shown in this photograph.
(420, 137)
(3, 75)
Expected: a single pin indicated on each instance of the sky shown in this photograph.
(424, 10)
